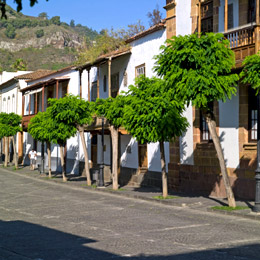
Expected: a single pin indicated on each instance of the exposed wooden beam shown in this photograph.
(43, 98)
(80, 83)
(226, 16)
(98, 81)
(199, 18)
(23, 104)
(109, 76)
(89, 85)
(57, 89)
(257, 38)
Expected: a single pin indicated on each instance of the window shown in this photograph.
(251, 11)
(140, 70)
(105, 83)
(114, 85)
(94, 91)
(4, 105)
(207, 16)
(125, 79)
(230, 16)
(204, 129)
(8, 105)
(252, 115)
(64, 88)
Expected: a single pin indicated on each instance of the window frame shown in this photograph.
(139, 67)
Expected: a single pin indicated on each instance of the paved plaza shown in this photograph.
(45, 220)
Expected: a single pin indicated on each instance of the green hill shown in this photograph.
(41, 42)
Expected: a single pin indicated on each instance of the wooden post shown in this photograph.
(43, 98)
(20, 147)
(98, 82)
(29, 104)
(23, 104)
(226, 16)
(109, 76)
(89, 85)
(199, 21)
(57, 89)
(36, 103)
(80, 83)
(257, 26)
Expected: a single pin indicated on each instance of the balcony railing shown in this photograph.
(242, 42)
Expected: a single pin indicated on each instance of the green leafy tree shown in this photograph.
(43, 15)
(10, 125)
(19, 64)
(3, 6)
(108, 41)
(112, 109)
(72, 23)
(10, 31)
(155, 16)
(43, 129)
(74, 113)
(39, 33)
(55, 20)
(197, 70)
(251, 72)
(151, 115)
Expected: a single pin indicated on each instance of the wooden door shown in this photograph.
(94, 150)
(142, 155)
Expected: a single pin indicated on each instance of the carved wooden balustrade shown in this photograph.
(242, 42)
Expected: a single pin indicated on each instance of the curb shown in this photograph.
(170, 203)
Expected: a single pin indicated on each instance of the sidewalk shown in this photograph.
(200, 203)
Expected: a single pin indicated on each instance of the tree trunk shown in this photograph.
(49, 157)
(212, 129)
(6, 151)
(85, 149)
(15, 154)
(114, 136)
(164, 173)
(62, 162)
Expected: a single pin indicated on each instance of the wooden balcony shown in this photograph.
(242, 42)
(26, 120)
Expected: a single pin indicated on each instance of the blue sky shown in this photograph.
(96, 14)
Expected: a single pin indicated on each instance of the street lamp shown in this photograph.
(101, 169)
(257, 171)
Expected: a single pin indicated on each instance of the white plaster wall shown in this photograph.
(229, 130)
(183, 14)
(88, 144)
(186, 141)
(5, 76)
(84, 82)
(9, 106)
(143, 51)
(183, 27)
(235, 14)
(154, 156)
(129, 152)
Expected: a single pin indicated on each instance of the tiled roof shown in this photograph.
(34, 75)
(152, 29)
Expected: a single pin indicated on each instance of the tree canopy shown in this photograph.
(19, 4)
(198, 69)
(251, 72)
(155, 16)
(150, 114)
(10, 124)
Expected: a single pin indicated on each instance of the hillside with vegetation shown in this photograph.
(42, 42)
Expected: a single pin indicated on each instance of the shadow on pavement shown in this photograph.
(23, 240)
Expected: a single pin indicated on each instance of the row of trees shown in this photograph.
(10, 125)
(193, 70)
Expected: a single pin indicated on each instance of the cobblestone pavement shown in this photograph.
(46, 220)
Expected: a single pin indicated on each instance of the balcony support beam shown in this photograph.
(199, 18)
(109, 76)
(226, 16)
(257, 38)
